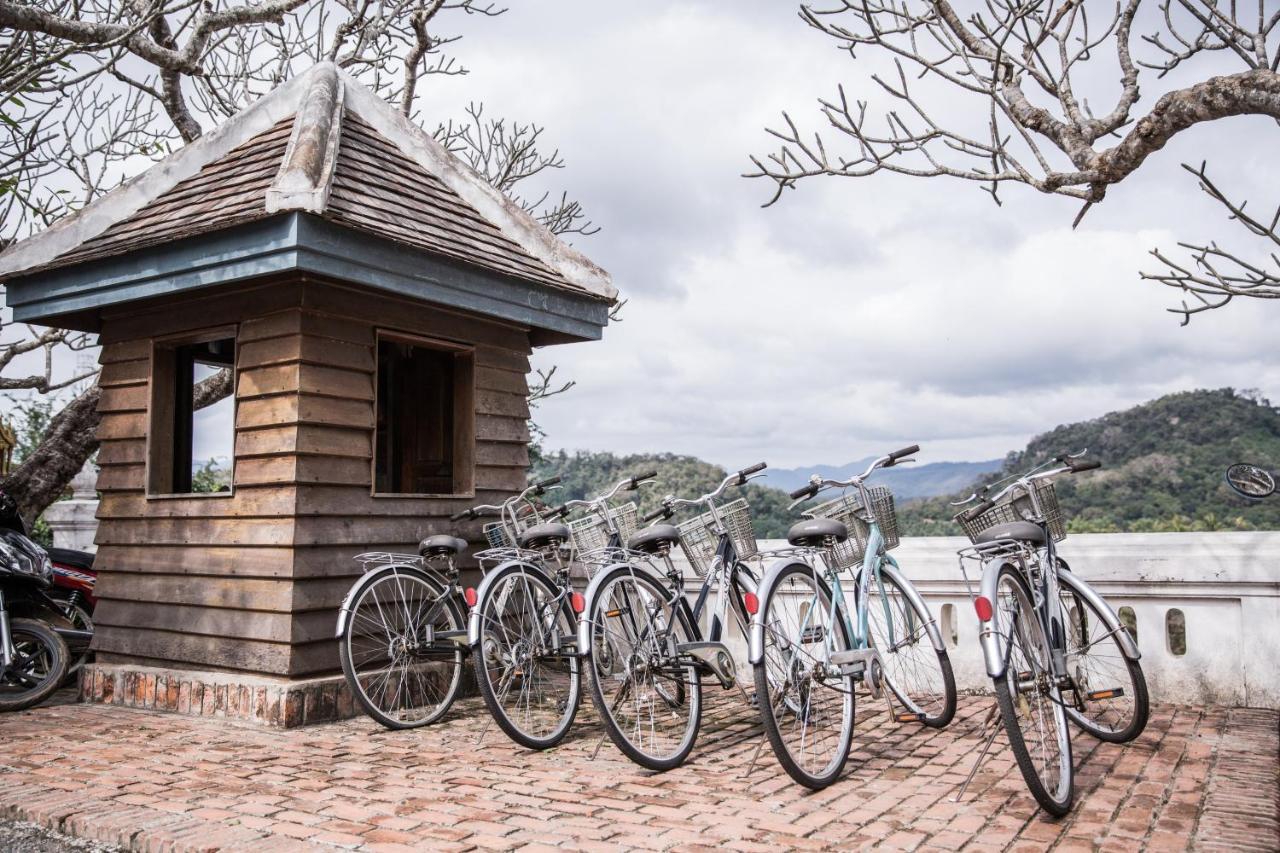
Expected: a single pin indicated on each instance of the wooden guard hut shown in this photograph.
(372, 302)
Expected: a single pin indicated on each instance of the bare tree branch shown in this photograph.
(1019, 65)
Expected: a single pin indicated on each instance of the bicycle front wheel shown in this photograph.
(806, 702)
(918, 675)
(396, 648)
(1110, 688)
(526, 661)
(1028, 695)
(648, 697)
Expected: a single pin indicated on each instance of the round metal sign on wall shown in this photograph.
(1250, 481)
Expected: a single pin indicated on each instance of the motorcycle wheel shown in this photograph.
(39, 666)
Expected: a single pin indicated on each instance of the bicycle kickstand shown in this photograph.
(988, 723)
(484, 729)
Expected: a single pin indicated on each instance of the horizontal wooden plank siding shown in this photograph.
(252, 579)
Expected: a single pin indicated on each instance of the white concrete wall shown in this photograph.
(1226, 584)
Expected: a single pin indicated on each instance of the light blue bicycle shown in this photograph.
(810, 647)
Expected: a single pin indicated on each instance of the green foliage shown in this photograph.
(29, 419)
(1163, 468)
(586, 475)
(210, 477)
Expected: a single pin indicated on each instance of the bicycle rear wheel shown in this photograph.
(1111, 687)
(1029, 700)
(526, 661)
(919, 675)
(395, 648)
(649, 699)
(806, 703)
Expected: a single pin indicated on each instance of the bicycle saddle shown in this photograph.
(442, 545)
(814, 532)
(1023, 531)
(541, 535)
(653, 539)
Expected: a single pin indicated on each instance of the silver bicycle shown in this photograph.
(522, 625)
(1054, 649)
(811, 646)
(650, 700)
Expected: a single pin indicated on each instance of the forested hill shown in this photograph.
(1163, 465)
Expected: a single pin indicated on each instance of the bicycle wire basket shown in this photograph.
(849, 511)
(700, 535)
(498, 534)
(1017, 506)
(591, 531)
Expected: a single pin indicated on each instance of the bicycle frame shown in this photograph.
(1048, 605)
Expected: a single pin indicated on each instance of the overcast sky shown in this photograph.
(855, 315)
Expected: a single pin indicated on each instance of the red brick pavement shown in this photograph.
(1198, 778)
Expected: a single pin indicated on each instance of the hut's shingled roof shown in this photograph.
(325, 145)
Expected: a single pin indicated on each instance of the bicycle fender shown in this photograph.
(344, 612)
(473, 616)
(585, 627)
(1123, 638)
(993, 646)
(890, 568)
(755, 638)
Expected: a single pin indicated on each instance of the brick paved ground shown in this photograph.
(1199, 778)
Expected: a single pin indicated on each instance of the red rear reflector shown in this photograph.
(470, 596)
(752, 603)
(983, 606)
(579, 603)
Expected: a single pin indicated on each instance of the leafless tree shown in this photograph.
(91, 91)
(999, 95)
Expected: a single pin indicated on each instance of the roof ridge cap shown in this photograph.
(490, 202)
(306, 171)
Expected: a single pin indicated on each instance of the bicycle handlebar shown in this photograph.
(898, 455)
(817, 484)
(1070, 465)
(739, 478)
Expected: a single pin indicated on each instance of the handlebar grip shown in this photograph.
(635, 481)
(759, 466)
(458, 516)
(1077, 467)
(804, 491)
(660, 512)
(558, 512)
(904, 452)
(550, 481)
(975, 511)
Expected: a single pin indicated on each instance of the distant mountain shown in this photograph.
(906, 482)
(1163, 467)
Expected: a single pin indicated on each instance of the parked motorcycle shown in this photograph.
(34, 656)
(74, 580)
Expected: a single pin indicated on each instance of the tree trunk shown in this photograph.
(71, 440)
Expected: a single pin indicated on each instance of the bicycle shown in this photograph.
(1054, 649)
(402, 634)
(651, 702)
(809, 649)
(521, 628)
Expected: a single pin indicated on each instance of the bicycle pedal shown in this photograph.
(909, 717)
(1113, 693)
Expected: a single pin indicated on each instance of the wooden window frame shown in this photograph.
(464, 414)
(160, 411)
